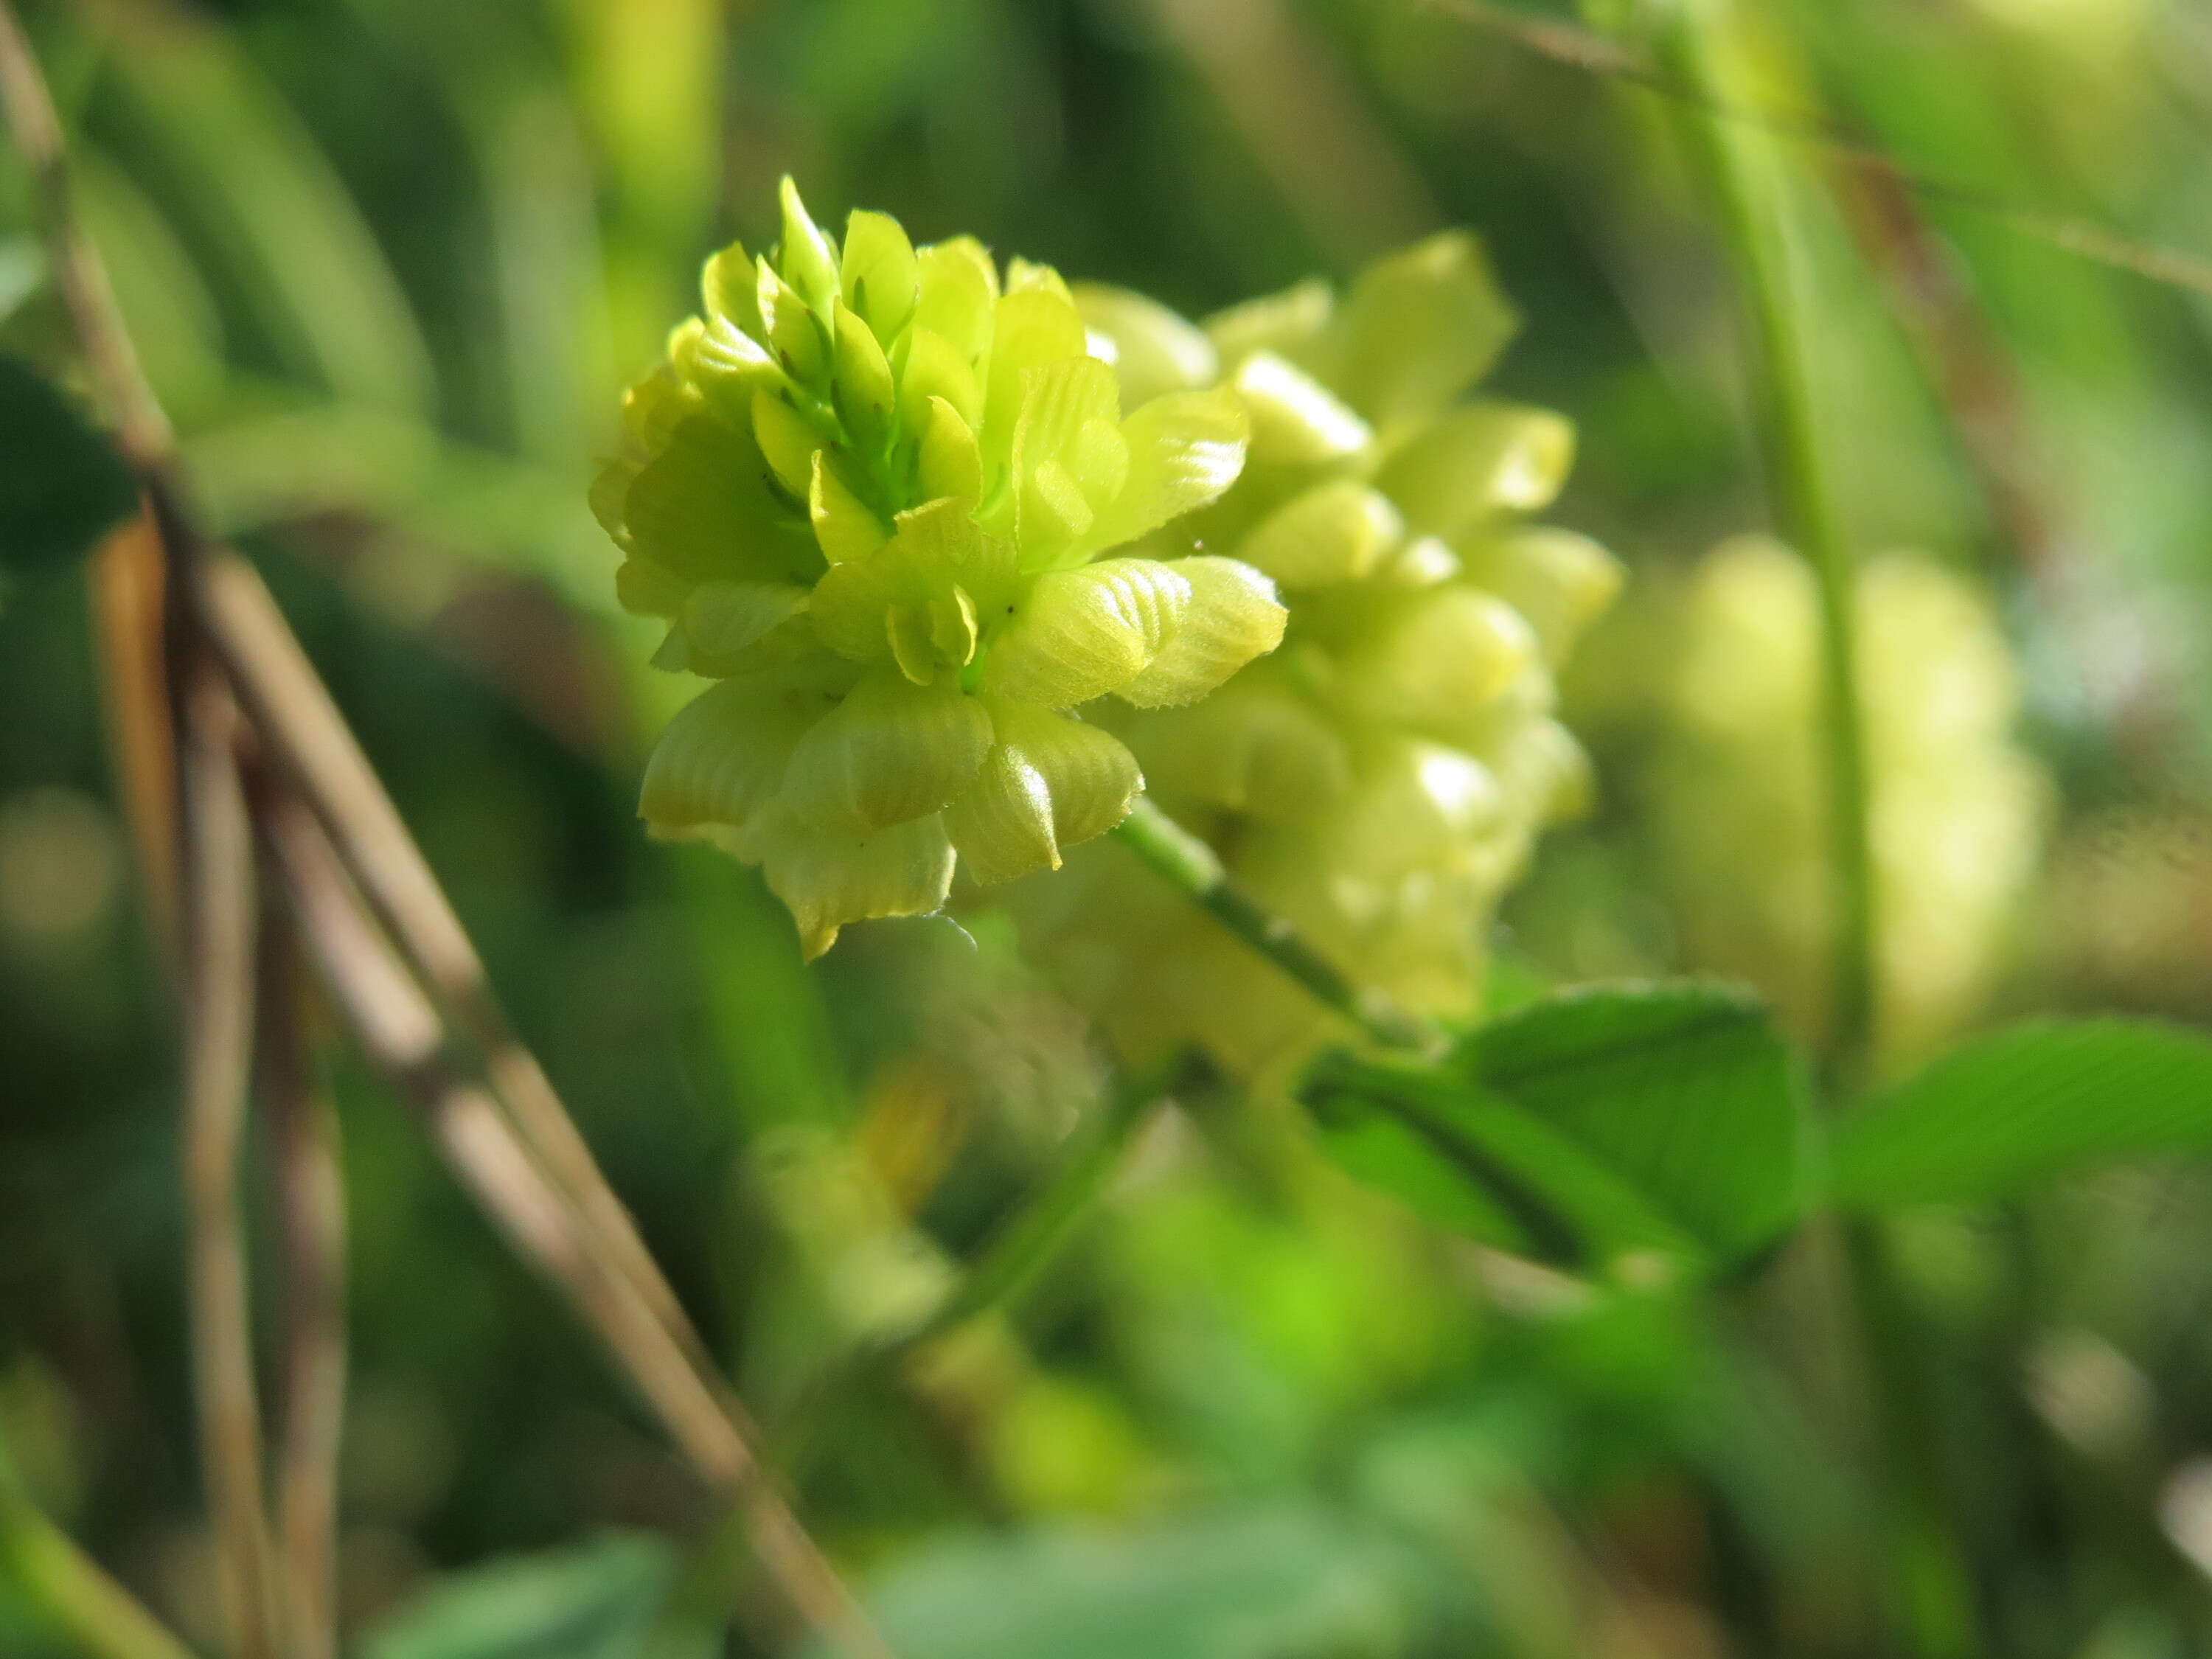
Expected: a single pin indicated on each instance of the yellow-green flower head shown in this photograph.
(1380, 779)
(1738, 808)
(874, 489)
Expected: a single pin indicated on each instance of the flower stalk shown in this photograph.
(1746, 195)
(1187, 863)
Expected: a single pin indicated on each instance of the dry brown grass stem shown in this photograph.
(306, 1160)
(339, 841)
(400, 1031)
(213, 870)
(311, 741)
(126, 580)
(216, 985)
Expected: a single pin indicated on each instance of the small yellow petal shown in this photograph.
(1253, 746)
(793, 333)
(647, 589)
(950, 464)
(1477, 462)
(1078, 633)
(1232, 617)
(892, 750)
(932, 368)
(958, 288)
(721, 758)
(1434, 657)
(1335, 533)
(1185, 448)
(1155, 351)
(1050, 782)
(1416, 329)
(727, 625)
(843, 524)
(729, 288)
(1561, 582)
(702, 509)
(1283, 323)
(877, 275)
(807, 257)
(1295, 422)
(1029, 330)
(787, 440)
(829, 879)
(863, 389)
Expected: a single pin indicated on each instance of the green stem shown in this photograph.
(1189, 864)
(1747, 195)
(69, 1587)
(1923, 1557)
(1032, 1237)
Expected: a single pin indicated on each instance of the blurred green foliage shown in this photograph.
(389, 263)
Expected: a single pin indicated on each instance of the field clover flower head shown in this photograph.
(1381, 778)
(1961, 806)
(892, 502)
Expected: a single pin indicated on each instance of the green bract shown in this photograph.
(872, 490)
(1379, 779)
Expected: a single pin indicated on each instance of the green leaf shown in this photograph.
(62, 484)
(1471, 1162)
(1686, 1089)
(1288, 1579)
(593, 1601)
(2017, 1107)
(1606, 1119)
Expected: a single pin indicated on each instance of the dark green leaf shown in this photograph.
(1473, 1161)
(62, 484)
(595, 1600)
(2026, 1103)
(1607, 1119)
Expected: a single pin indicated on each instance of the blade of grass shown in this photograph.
(1580, 49)
(69, 1588)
